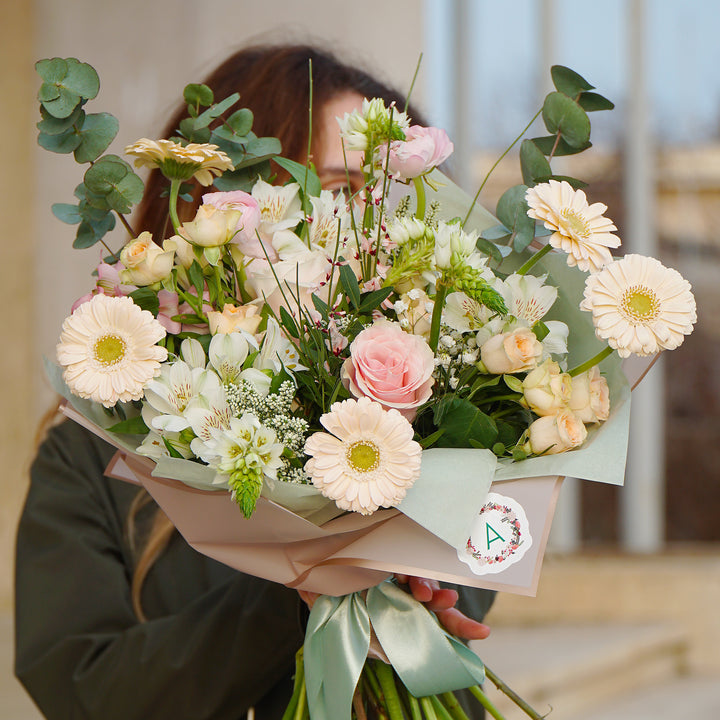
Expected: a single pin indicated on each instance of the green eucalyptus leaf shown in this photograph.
(592, 102)
(244, 178)
(562, 114)
(81, 79)
(102, 177)
(62, 143)
(52, 70)
(489, 249)
(66, 213)
(50, 125)
(496, 232)
(264, 147)
(48, 92)
(533, 163)
(90, 233)
(576, 184)
(97, 132)
(304, 176)
(523, 233)
(195, 94)
(146, 299)
(568, 81)
(463, 423)
(241, 121)
(512, 205)
(93, 213)
(546, 145)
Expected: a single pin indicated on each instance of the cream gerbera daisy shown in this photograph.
(181, 162)
(108, 349)
(640, 306)
(580, 229)
(368, 461)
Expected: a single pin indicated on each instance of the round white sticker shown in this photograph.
(500, 536)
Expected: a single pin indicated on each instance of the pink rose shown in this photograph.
(391, 367)
(246, 238)
(423, 149)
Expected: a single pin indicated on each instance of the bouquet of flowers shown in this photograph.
(323, 359)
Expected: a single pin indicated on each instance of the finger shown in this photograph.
(442, 599)
(402, 579)
(421, 588)
(462, 626)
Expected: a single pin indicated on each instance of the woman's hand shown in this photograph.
(442, 602)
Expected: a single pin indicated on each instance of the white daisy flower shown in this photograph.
(367, 459)
(639, 306)
(580, 229)
(108, 349)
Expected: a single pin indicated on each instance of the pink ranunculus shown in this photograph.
(423, 149)
(246, 238)
(391, 367)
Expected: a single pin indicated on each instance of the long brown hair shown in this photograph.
(274, 82)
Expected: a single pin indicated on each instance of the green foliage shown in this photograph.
(512, 211)
(113, 179)
(592, 102)
(567, 81)
(67, 213)
(197, 96)
(563, 115)
(146, 299)
(96, 133)
(132, 426)
(547, 143)
(303, 175)
(91, 231)
(66, 84)
(350, 285)
(533, 163)
(464, 425)
(241, 121)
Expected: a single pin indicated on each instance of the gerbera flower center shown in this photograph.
(363, 456)
(640, 304)
(109, 350)
(575, 223)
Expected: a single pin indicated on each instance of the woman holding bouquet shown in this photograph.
(117, 617)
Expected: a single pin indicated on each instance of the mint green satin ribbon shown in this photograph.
(427, 658)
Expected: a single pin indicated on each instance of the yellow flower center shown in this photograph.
(363, 456)
(639, 305)
(575, 223)
(109, 350)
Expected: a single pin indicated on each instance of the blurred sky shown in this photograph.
(682, 56)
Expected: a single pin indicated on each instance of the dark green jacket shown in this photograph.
(217, 641)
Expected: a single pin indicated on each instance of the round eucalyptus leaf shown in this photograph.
(562, 114)
(105, 174)
(511, 205)
(241, 121)
(126, 193)
(64, 143)
(98, 131)
(64, 104)
(546, 145)
(195, 94)
(592, 102)
(48, 92)
(50, 125)
(52, 70)
(533, 162)
(568, 81)
(66, 213)
(82, 79)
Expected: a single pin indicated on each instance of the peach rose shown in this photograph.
(245, 317)
(546, 389)
(211, 227)
(145, 263)
(511, 352)
(391, 367)
(554, 434)
(590, 396)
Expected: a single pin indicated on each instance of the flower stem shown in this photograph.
(439, 708)
(591, 362)
(428, 709)
(387, 682)
(174, 192)
(414, 706)
(483, 699)
(503, 688)
(298, 689)
(421, 201)
(440, 293)
(523, 270)
(453, 706)
(497, 162)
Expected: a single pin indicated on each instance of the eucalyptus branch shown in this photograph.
(126, 225)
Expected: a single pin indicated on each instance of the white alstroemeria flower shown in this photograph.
(555, 342)
(191, 351)
(153, 445)
(246, 444)
(277, 351)
(464, 314)
(204, 413)
(228, 352)
(330, 223)
(494, 327)
(280, 207)
(170, 393)
(527, 297)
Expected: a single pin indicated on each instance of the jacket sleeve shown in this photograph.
(81, 652)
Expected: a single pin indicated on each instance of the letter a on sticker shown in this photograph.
(495, 535)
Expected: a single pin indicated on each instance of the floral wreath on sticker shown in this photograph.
(512, 545)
